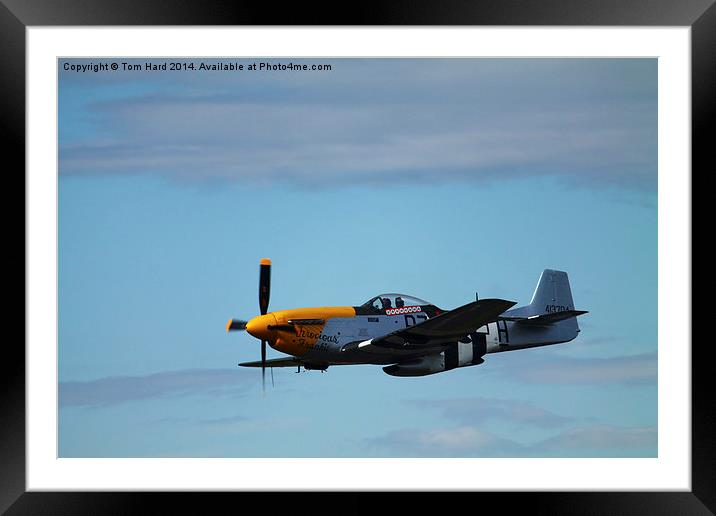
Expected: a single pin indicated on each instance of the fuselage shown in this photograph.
(322, 334)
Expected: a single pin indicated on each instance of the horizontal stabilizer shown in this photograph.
(543, 319)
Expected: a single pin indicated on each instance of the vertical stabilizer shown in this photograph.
(550, 317)
(552, 293)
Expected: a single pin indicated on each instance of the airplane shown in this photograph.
(407, 335)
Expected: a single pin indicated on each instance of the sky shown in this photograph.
(437, 178)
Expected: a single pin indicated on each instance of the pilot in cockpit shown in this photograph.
(399, 302)
(386, 303)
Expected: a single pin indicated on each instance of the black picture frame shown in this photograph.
(17, 15)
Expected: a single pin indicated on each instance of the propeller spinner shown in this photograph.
(258, 325)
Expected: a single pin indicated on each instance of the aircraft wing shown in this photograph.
(276, 362)
(440, 330)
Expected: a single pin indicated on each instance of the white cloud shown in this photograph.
(120, 389)
(453, 442)
(479, 410)
(446, 121)
(551, 368)
(470, 441)
(602, 439)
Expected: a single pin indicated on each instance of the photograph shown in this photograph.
(357, 257)
(441, 250)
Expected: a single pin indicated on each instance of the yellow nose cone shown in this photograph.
(258, 326)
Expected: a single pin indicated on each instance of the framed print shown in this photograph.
(162, 162)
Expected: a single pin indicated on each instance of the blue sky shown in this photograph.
(436, 178)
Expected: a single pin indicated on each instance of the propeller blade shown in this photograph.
(235, 324)
(264, 285)
(263, 365)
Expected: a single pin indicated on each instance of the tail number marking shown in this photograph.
(550, 309)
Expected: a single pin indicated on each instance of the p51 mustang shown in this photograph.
(409, 336)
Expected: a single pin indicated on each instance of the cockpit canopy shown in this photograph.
(393, 300)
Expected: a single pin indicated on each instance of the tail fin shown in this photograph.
(551, 296)
(551, 306)
(552, 293)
